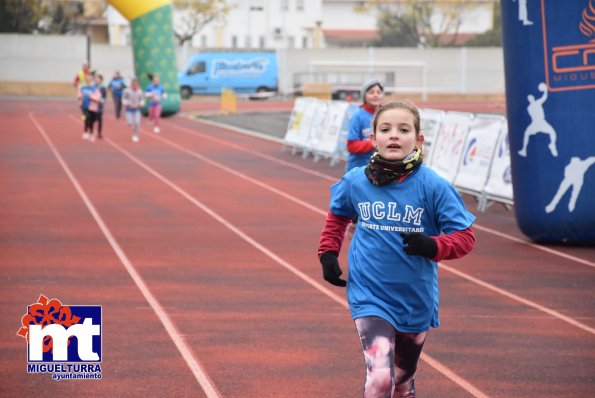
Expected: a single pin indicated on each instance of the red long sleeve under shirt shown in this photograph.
(450, 247)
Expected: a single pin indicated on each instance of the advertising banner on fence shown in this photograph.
(499, 184)
(448, 148)
(328, 140)
(344, 132)
(318, 125)
(295, 120)
(478, 152)
(298, 133)
(549, 57)
(430, 125)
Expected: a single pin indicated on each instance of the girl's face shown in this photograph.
(374, 96)
(395, 136)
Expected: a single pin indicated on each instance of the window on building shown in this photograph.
(300, 5)
(305, 42)
(234, 41)
(203, 41)
(256, 5)
(248, 41)
(284, 5)
(262, 42)
(290, 42)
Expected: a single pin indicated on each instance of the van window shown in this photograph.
(199, 67)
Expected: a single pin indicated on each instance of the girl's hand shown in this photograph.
(331, 270)
(416, 244)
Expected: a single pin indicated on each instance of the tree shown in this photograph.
(399, 28)
(58, 19)
(47, 16)
(431, 23)
(195, 15)
(493, 37)
(20, 16)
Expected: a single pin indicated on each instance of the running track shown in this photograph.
(200, 245)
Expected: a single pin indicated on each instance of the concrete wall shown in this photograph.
(449, 70)
(34, 63)
(41, 57)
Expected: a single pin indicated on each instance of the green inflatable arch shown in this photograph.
(153, 45)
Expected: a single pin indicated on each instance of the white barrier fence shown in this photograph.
(469, 150)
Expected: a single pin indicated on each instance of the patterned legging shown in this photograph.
(391, 358)
(155, 114)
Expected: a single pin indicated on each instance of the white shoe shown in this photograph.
(85, 136)
(156, 130)
(135, 138)
(92, 138)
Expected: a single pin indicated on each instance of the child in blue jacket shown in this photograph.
(358, 140)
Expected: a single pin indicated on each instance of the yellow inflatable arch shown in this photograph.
(153, 45)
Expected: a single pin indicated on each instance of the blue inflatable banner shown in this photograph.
(549, 59)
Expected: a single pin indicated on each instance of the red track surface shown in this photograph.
(226, 292)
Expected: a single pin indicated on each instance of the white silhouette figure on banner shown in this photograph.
(523, 15)
(574, 177)
(538, 122)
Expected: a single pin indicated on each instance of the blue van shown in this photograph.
(242, 72)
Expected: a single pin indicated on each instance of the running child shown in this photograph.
(101, 90)
(81, 75)
(133, 100)
(358, 140)
(117, 86)
(85, 92)
(408, 219)
(155, 92)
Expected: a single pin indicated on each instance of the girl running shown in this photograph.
(408, 219)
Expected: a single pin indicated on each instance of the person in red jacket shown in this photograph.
(358, 141)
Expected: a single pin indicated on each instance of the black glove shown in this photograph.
(419, 245)
(331, 270)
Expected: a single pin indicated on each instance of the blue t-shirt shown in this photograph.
(383, 280)
(154, 93)
(360, 128)
(86, 91)
(117, 86)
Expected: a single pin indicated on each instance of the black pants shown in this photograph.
(99, 120)
(85, 120)
(118, 105)
(90, 121)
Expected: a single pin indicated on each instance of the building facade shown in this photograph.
(302, 24)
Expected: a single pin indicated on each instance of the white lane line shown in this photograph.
(334, 179)
(536, 246)
(318, 286)
(253, 153)
(252, 133)
(513, 296)
(197, 370)
(236, 173)
(323, 213)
